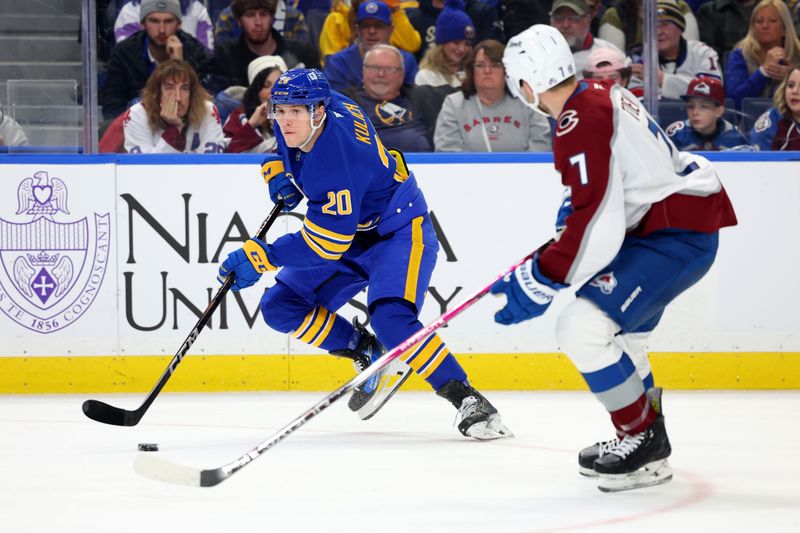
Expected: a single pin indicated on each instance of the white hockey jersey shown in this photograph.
(695, 58)
(140, 139)
(625, 177)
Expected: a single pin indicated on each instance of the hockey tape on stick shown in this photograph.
(108, 414)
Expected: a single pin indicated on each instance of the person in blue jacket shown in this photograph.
(705, 129)
(366, 226)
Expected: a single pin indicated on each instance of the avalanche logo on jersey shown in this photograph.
(567, 122)
(51, 271)
(605, 282)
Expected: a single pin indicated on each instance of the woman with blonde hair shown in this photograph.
(443, 64)
(175, 114)
(339, 29)
(779, 128)
(760, 60)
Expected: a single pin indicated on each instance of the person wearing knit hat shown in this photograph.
(160, 6)
(443, 64)
(248, 128)
(705, 129)
(680, 60)
(192, 14)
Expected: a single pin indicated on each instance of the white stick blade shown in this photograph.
(154, 467)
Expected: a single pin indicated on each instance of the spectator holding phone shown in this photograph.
(760, 60)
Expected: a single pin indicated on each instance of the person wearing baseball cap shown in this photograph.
(344, 69)
(608, 64)
(705, 129)
(573, 19)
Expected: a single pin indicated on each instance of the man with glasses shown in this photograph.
(573, 18)
(373, 26)
(388, 103)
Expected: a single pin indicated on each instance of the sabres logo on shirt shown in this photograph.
(567, 122)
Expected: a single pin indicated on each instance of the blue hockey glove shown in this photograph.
(528, 291)
(564, 211)
(280, 184)
(247, 263)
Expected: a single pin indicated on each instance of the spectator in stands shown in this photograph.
(517, 16)
(679, 60)
(259, 38)
(622, 25)
(289, 22)
(608, 64)
(424, 17)
(134, 59)
(572, 18)
(443, 64)
(194, 21)
(11, 133)
(386, 101)
(705, 129)
(723, 23)
(373, 26)
(760, 60)
(175, 115)
(483, 116)
(339, 28)
(779, 128)
(249, 128)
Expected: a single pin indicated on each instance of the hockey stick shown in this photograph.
(148, 465)
(108, 414)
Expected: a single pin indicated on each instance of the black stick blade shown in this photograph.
(108, 414)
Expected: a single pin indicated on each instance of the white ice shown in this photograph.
(735, 457)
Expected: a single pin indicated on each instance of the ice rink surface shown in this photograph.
(735, 457)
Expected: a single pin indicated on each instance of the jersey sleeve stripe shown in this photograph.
(327, 234)
(319, 250)
(331, 247)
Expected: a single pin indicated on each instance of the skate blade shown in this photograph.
(651, 474)
(588, 472)
(389, 382)
(489, 430)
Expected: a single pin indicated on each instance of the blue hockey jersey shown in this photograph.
(726, 136)
(352, 184)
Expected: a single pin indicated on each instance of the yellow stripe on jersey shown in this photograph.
(306, 321)
(424, 352)
(414, 260)
(316, 326)
(325, 243)
(382, 151)
(369, 224)
(431, 367)
(401, 174)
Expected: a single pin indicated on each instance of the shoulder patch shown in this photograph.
(763, 122)
(567, 122)
(675, 127)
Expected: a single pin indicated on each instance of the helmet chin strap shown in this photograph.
(314, 129)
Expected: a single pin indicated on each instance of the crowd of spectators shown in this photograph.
(429, 72)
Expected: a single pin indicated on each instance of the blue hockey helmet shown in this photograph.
(301, 86)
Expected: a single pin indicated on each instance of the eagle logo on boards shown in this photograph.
(51, 271)
(605, 282)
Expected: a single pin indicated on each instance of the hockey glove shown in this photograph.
(528, 291)
(280, 184)
(563, 212)
(247, 264)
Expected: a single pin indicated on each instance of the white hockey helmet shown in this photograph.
(541, 56)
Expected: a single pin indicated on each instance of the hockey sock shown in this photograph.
(394, 320)
(325, 329)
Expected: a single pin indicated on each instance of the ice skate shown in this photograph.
(637, 461)
(588, 455)
(363, 354)
(476, 417)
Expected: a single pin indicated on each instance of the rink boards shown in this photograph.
(108, 260)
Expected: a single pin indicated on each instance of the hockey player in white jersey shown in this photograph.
(640, 227)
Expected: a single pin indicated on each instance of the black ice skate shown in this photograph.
(637, 461)
(476, 417)
(363, 354)
(588, 455)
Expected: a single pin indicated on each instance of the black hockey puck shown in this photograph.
(148, 447)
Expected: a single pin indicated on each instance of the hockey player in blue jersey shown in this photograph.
(366, 225)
